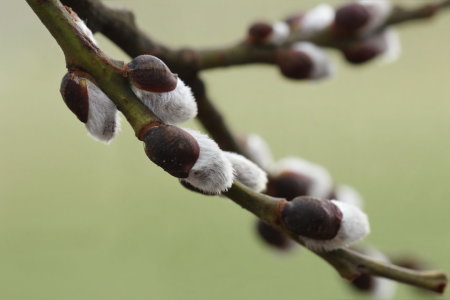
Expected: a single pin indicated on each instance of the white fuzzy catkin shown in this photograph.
(172, 107)
(258, 151)
(316, 20)
(354, 227)
(247, 172)
(212, 172)
(103, 121)
(393, 47)
(322, 183)
(279, 34)
(379, 11)
(347, 194)
(322, 65)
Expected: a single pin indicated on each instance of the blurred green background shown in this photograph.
(81, 220)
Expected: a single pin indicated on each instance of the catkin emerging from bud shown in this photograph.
(265, 33)
(91, 106)
(304, 60)
(301, 175)
(212, 173)
(313, 21)
(385, 45)
(363, 17)
(325, 225)
(160, 90)
(379, 288)
(247, 173)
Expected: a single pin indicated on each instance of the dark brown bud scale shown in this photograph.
(350, 18)
(312, 218)
(273, 236)
(288, 185)
(171, 148)
(294, 64)
(259, 32)
(75, 94)
(151, 74)
(192, 188)
(364, 283)
(361, 53)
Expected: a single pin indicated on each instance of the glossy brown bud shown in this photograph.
(273, 236)
(294, 64)
(74, 92)
(288, 185)
(259, 32)
(350, 18)
(149, 73)
(171, 148)
(312, 218)
(361, 53)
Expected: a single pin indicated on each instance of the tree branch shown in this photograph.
(244, 53)
(83, 56)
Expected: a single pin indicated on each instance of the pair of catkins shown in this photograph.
(312, 197)
(360, 20)
(196, 159)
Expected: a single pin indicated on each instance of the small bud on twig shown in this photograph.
(82, 26)
(160, 90)
(300, 176)
(304, 60)
(362, 17)
(273, 236)
(265, 33)
(324, 225)
(289, 185)
(91, 106)
(247, 173)
(385, 45)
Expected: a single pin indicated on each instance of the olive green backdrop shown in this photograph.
(81, 220)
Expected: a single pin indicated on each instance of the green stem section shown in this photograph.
(81, 54)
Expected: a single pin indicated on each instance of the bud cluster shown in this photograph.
(360, 20)
(185, 153)
(325, 216)
(364, 18)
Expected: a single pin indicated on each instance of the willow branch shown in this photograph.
(244, 53)
(81, 55)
